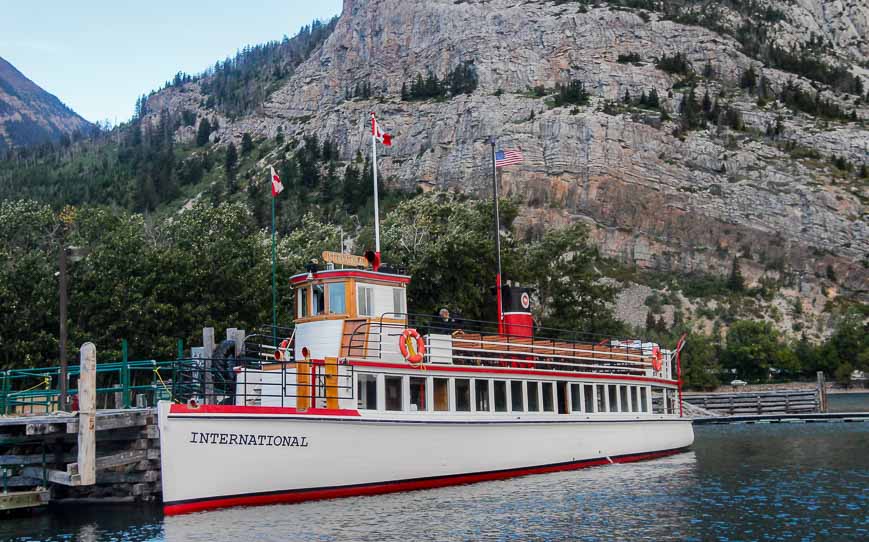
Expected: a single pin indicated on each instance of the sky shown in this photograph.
(98, 56)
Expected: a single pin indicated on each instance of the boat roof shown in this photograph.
(351, 273)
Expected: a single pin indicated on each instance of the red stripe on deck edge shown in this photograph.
(391, 487)
(233, 409)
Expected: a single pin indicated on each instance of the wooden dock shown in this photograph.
(758, 403)
(821, 417)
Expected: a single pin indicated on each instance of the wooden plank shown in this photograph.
(18, 500)
(115, 420)
(87, 404)
(114, 460)
(53, 476)
(114, 477)
(34, 459)
(33, 429)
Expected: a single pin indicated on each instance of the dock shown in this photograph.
(817, 417)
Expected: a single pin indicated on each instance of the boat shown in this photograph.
(366, 398)
(362, 397)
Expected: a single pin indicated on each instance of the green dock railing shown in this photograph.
(121, 384)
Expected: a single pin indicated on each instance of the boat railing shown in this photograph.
(305, 383)
(266, 342)
(476, 346)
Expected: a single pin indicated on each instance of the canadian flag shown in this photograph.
(277, 187)
(384, 138)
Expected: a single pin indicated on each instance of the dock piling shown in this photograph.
(87, 403)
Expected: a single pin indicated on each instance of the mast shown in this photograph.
(497, 241)
(376, 263)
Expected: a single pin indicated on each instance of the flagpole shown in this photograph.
(497, 241)
(376, 204)
(274, 276)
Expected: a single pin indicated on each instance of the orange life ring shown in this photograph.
(281, 351)
(657, 361)
(412, 345)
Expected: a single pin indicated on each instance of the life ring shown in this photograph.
(281, 351)
(412, 345)
(657, 361)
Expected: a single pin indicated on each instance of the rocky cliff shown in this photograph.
(655, 193)
(30, 115)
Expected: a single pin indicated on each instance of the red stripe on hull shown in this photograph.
(391, 487)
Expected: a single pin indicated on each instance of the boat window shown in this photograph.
(600, 389)
(624, 404)
(318, 299)
(658, 401)
(393, 392)
(613, 395)
(548, 405)
(302, 296)
(500, 396)
(576, 397)
(516, 400)
(417, 394)
(463, 395)
(644, 399)
(635, 399)
(365, 295)
(366, 391)
(481, 391)
(533, 397)
(441, 392)
(338, 298)
(588, 397)
(398, 301)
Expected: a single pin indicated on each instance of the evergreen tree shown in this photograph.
(405, 96)
(230, 164)
(246, 144)
(735, 282)
(204, 132)
(627, 98)
(653, 101)
(707, 103)
(748, 80)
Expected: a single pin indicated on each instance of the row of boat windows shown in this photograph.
(441, 394)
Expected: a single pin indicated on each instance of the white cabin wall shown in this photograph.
(323, 338)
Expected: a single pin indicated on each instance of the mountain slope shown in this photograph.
(769, 175)
(29, 115)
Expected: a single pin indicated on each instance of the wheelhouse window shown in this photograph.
(318, 299)
(533, 397)
(398, 304)
(516, 399)
(393, 392)
(548, 397)
(500, 396)
(481, 392)
(365, 299)
(302, 297)
(366, 391)
(338, 298)
(441, 393)
(417, 394)
(576, 397)
(463, 395)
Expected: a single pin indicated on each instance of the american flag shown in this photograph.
(508, 157)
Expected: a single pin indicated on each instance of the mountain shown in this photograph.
(754, 149)
(29, 115)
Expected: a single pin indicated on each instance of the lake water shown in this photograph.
(848, 402)
(740, 482)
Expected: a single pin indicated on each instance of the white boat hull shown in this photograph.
(226, 456)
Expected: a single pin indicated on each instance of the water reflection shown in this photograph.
(782, 482)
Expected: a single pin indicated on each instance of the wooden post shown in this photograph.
(207, 354)
(331, 371)
(822, 392)
(239, 342)
(87, 412)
